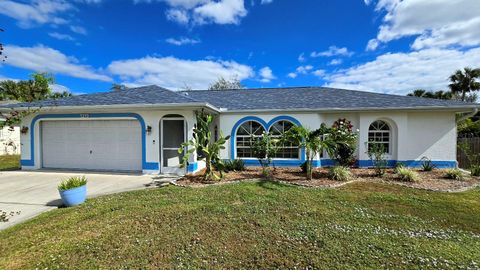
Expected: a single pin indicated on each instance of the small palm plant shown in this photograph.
(206, 148)
(312, 141)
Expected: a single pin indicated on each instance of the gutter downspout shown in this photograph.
(468, 115)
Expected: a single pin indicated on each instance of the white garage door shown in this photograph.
(92, 145)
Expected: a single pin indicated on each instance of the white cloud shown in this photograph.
(401, 73)
(182, 41)
(36, 12)
(319, 72)
(222, 12)
(332, 51)
(300, 70)
(301, 58)
(41, 58)
(303, 69)
(60, 36)
(372, 45)
(174, 73)
(264, 2)
(335, 62)
(78, 29)
(434, 23)
(197, 12)
(266, 75)
(178, 15)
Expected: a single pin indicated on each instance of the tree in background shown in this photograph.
(431, 94)
(34, 89)
(466, 81)
(118, 87)
(224, 84)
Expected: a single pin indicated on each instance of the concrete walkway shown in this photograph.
(33, 193)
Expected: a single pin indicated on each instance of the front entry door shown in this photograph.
(173, 135)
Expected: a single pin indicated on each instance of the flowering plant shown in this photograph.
(345, 142)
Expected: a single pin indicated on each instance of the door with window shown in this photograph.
(173, 135)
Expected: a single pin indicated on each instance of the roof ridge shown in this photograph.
(246, 89)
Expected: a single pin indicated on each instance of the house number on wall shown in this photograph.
(84, 115)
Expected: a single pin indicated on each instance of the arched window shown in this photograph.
(244, 138)
(287, 150)
(379, 133)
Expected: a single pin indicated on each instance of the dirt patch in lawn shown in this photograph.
(434, 180)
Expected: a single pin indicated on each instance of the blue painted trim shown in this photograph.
(267, 127)
(281, 162)
(145, 165)
(152, 166)
(440, 164)
(192, 167)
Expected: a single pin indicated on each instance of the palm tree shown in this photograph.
(312, 141)
(418, 93)
(465, 81)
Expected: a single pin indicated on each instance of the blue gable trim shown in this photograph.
(267, 127)
(145, 165)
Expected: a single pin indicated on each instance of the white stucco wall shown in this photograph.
(414, 135)
(9, 141)
(152, 141)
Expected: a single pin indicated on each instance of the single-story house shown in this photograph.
(140, 129)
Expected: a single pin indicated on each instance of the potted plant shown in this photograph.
(73, 191)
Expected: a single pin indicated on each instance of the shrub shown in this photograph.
(376, 153)
(454, 174)
(398, 166)
(475, 170)
(407, 175)
(339, 173)
(72, 182)
(264, 148)
(427, 164)
(236, 165)
(345, 142)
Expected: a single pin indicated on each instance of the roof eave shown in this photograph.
(118, 106)
(463, 108)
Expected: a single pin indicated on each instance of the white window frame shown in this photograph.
(249, 136)
(379, 133)
(285, 147)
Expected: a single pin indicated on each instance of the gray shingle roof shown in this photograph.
(311, 98)
(151, 94)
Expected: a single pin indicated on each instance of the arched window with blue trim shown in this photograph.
(287, 150)
(245, 136)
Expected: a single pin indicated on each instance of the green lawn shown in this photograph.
(9, 162)
(254, 225)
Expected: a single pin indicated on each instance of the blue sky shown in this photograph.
(389, 46)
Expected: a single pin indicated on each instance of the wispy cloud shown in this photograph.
(78, 29)
(41, 58)
(332, 51)
(172, 72)
(453, 23)
(36, 12)
(60, 36)
(182, 41)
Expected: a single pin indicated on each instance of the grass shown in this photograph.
(9, 162)
(254, 225)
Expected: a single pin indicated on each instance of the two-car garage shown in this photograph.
(91, 144)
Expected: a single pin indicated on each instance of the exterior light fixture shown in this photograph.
(149, 130)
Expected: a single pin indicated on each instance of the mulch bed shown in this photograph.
(433, 180)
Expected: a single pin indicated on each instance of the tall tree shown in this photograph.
(224, 84)
(463, 82)
(36, 88)
(430, 94)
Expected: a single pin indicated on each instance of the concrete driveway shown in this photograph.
(32, 193)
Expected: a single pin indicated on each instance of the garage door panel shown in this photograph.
(114, 144)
